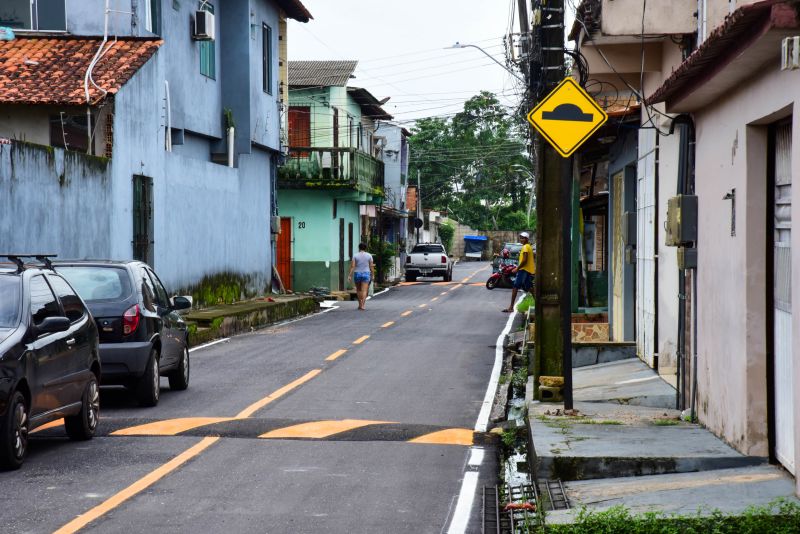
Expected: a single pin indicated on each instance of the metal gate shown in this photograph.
(143, 219)
(646, 246)
(782, 298)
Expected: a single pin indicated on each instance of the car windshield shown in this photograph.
(97, 283)
(513, 247)
(427, 248)
(9, 301)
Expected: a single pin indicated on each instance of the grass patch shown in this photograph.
(601, 422)
(778, 517)
(666, 422)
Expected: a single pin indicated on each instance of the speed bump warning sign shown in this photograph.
(567, 117)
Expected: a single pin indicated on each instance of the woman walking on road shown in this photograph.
(361, 269)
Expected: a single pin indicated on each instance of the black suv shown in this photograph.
(49, 366)
(141, 335)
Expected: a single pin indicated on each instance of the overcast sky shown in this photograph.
(400, 49)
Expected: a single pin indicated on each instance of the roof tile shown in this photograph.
(57, 75)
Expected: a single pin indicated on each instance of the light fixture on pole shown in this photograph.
(511, 72)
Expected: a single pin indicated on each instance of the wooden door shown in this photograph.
(299, 128)
(617, 275)
(342, 260)
(284, 252)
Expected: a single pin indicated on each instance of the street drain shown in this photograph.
(515, 509)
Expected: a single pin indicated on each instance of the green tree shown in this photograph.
(446, 233)
(470, 164)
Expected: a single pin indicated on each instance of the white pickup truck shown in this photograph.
(428, 259)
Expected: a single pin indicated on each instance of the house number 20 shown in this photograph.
(301, 224)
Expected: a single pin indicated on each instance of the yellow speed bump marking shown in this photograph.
(253, 408)
(360, 340)
(169, 427)
(405, 313)
(465, 280)
(135, 488)
(51, 424)
(451, 436)
(335, 355)
(387, 325)
(319, 429)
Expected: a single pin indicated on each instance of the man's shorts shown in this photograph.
(524, 280)
(361, 277)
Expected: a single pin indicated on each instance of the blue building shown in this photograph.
(173, 156)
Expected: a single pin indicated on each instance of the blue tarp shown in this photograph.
(475, 238)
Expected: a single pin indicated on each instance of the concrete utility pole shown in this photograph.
(419, 206)
(553, 339)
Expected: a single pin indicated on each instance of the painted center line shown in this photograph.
(335, 355)
(387, 325)
(405, 313)
(422, 305)
(434, 299)
(443, 293)
(360, 340)
(253, 408)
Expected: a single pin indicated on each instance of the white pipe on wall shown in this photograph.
(230, 146)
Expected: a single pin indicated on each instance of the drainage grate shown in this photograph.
(508, 510)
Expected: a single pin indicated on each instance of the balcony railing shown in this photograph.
(332, 168)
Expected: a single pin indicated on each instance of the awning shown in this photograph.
(475, 238)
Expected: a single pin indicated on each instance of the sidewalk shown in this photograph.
(626, 445)
(226, 320)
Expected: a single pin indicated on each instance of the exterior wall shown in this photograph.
(25, 124)
(395, 165)
(732, 152)
(315, 236)
(675, 16)
(65, 194)
(264, 108)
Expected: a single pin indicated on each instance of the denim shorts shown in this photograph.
(361, 277)
(524, 280)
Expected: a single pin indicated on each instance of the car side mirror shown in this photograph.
(181, 303)
(53, 324)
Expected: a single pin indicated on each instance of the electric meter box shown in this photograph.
(681, 220)
(687, 258)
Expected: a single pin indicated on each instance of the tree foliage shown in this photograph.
(474, 165)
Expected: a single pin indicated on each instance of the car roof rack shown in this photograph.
(17, 259)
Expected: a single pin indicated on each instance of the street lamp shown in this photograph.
(511, 72)
(533, 186)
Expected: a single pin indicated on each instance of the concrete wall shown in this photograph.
(55, 201)
(395, 165)
(624, 17)
(732, 152)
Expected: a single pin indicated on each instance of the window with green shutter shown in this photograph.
(208, 50)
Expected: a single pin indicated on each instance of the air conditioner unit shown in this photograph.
(790, 53)
(203, 26)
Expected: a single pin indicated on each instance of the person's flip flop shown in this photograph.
(506, 310)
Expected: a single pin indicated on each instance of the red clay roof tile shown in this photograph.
(50, 70)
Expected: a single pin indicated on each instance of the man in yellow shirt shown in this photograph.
(525, 270)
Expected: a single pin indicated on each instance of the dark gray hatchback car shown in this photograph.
(142, 337)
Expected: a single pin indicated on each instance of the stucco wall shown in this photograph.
(732, 152)
(624, 17)
(395, 166)
(55, 201)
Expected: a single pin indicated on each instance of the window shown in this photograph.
(148, 291)
(73, 307)
(299, 128)
(266, 51)
(43, 302)
(69, 132)
(9, 301)
(208, 50)
(44, 15)
(161, 294)
(98, 284)
(152, 15)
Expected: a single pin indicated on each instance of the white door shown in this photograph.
(784, 394)
(646, 247)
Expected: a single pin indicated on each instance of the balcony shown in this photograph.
(346, 169)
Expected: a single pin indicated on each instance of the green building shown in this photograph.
(334, 167)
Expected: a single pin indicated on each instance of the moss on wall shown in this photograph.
(223, 288)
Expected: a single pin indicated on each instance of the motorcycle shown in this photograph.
(504, 278)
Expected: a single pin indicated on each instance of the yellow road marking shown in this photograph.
(451, 436)
(253, 408)
(478, 284)
(422, 305)
(169, 427)
(335, 355)
(319, 429)
(443, 293)
(454, 287)
(465, 280)
(51, 424)
(360, 340)
(441, 283)
(387, 325)
(434, 299)
(405, 313)
(135, 488)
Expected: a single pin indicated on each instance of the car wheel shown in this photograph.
(491, 283)
(82, 426)
(179, 378)
(449, 276)
(14, 427)
(149, 386)
(411, 278)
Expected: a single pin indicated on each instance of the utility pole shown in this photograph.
(419, 205)
(553, 290)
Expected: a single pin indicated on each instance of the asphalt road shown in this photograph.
(344, 421)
